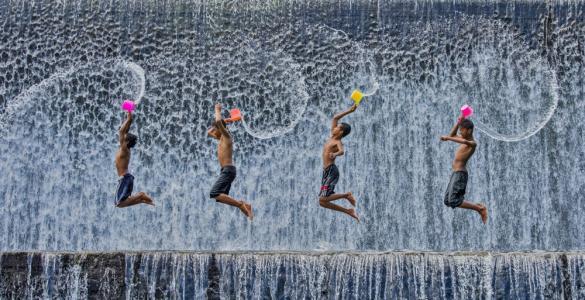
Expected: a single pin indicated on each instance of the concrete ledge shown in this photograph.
(339, 275)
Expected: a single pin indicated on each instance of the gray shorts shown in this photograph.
(455, 193)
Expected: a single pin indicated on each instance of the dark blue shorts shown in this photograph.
(329, 180)
(125, 187)
(224, 182)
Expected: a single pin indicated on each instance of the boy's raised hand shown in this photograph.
(217, 112)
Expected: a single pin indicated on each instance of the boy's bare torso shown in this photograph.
(122, 160)
(462, 155)
(224, 151)
(331, 146)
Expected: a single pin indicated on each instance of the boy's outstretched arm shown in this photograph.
(218, 123)
(125, 128)
(453, 131)
(340, 115)
(459, 140)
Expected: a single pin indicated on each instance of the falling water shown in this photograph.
(65, 67)
(164, 275)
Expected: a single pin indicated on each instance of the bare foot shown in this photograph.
(246, 208)
(483, 212)
(350, 198)
(146, 199)
(351, 212)
(251, 215)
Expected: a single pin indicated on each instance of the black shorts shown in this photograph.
(456, 189)
(125, 187)
(329, 180)
(224, 182)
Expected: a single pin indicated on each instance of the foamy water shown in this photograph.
(65, 68)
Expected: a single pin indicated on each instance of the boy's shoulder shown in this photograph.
(332, 140)
(335, 141)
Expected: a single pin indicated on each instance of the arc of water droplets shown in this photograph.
(17, 102)
(300, 114)
(139, 73)
(304, 97)
(364, 57)
(374, 89)
(533, 129)
(375, 85)
(484, 127)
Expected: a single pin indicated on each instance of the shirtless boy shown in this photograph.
(221, 189)
(124, 196)
(332, 149)
(454, 196)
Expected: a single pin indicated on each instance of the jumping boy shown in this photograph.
(221, 189)
(454, 196)
(332, 149)
(126, 181)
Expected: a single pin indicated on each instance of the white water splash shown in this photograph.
(22, 102)
(513, 90)
(140, 77)
(533, 128)
(296, 93)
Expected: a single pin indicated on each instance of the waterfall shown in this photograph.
(65, 67)
(363, 275)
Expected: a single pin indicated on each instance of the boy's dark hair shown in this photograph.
(345, 128)
(466, 123)
(131, 140)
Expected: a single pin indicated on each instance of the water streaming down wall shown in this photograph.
(66, 65)
(165, 275)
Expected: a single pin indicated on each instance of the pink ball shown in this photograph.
(466, 110)
(128, 105)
